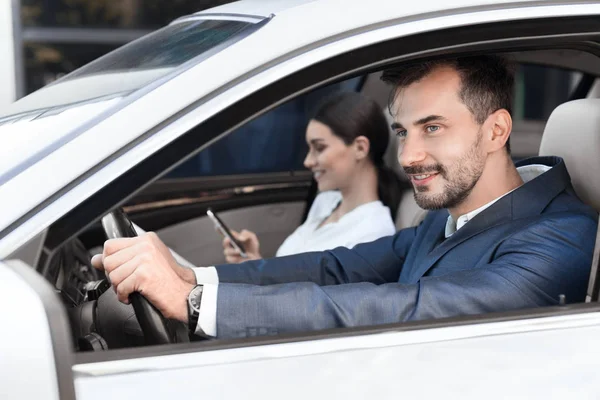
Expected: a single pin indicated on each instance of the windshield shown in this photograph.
(135, 65)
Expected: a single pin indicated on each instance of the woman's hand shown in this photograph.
(251, 245)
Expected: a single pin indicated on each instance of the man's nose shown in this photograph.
(411, 151)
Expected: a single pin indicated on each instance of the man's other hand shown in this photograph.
(144, 264)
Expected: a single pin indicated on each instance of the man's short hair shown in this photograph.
(486, 82)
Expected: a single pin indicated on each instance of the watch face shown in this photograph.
(194, 298)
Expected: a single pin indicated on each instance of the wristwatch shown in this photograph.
(194, 299)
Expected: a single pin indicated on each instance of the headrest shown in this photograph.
(573, 133)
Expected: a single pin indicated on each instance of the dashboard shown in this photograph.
(98, 320)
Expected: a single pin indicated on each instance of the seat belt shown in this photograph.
(592, 291)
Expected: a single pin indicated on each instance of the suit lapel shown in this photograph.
(496, 214)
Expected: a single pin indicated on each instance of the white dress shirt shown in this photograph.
(207, 322)
(528, 172)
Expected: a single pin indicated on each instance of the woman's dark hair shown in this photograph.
(349, 115)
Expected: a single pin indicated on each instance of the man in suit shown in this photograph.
(499, 236)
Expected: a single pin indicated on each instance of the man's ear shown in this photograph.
(362, 146)
(500, 127)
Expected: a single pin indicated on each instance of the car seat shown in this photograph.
(573, 133)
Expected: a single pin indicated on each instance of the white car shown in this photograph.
(209, 112)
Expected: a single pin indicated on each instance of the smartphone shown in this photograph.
(224, 230)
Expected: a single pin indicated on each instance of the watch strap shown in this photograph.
(195, 297)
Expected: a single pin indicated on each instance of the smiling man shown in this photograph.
(499, 237)
(454, 144)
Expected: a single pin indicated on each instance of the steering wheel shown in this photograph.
(156, 328)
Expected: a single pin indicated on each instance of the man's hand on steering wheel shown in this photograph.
(144, 264)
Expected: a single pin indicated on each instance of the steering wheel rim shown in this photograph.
(154, 325)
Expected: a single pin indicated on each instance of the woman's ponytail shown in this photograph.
(389, 188)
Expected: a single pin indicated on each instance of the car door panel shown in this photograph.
(168, 203)
(510, 359)
(199, 243)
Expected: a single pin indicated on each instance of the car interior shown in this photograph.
(274, 219)
(270, 195)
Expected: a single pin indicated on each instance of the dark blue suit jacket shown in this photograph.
(523, 251)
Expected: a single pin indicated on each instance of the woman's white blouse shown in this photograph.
(365, 223)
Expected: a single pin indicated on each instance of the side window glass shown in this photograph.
(273, 142)
(539, 89)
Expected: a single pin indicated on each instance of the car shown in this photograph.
(209, 112)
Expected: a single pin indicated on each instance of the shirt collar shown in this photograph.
(527, 172)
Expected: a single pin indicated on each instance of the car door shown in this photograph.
(541, 357)
(506, 355)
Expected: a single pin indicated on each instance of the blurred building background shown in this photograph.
(42, 40)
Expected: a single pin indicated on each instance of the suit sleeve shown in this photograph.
(377, 262)
(530, 269)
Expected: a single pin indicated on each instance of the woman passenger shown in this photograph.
(358, 193)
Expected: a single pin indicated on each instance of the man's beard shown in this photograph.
(460, 179)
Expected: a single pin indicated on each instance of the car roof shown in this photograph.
(266, 8)
(262, 8)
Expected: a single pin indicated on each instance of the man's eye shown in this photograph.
(432, 128)
(401, 134)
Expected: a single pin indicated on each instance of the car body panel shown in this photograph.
(379, 8)
(29, 349)
(36, 345)
(226, 86)
(512, 359)
(263, 8)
